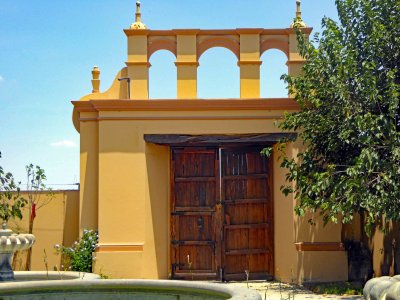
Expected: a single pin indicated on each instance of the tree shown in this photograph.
(11, 202)
(349, 118)
(35, 188)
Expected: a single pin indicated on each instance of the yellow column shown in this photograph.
(138, 64)
(186, 63)
(295, 61)
(89, 175)
(249, 62)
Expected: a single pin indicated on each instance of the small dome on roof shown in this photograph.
(298, 21)
(138, 23)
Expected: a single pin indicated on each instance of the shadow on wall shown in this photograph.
(71, 217)
(384, 245)
(157, 163)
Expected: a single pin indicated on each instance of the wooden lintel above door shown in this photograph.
(217, 140)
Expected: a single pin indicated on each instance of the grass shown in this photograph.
(337, 288)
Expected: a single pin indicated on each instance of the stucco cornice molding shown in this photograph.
(138, 63)
(130, 32)
(285, 31)
(237, 31)
(185, 31)
(249, 30)
(120, 247)
(187, 63)
(249, 62)
(319, 246)
(296, 61)
(186, 105)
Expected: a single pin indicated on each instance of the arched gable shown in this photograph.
(224, 42)
(275, 44)
(161, 44)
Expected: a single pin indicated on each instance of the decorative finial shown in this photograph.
(138, 15)
(298, 22)
(95, 79)
(138, 18)
(298, 9)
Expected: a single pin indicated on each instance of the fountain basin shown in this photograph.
(24, 276)
(122, 289)
(9, 243)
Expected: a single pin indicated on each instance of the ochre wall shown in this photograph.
(56, 223)
(134, 193)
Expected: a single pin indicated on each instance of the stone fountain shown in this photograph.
(9, 243)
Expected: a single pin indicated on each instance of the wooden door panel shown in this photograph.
(195, 194)
(196, 258)
(195, 186)
(244, 213)
(258, 238)
(246, 238)
(254, 264)
(236, 264)
(236, 239)
(247, 213)
(194, 164)
(242, 162)
(245, 188)
(195, 228)
(221, 213)
(258, 263)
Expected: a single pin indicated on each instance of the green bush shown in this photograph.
(79, 255)
(337, 288)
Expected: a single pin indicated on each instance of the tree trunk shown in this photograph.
(29, 251)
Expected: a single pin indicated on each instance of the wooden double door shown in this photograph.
(221, 213)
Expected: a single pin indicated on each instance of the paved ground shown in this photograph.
(272, 290)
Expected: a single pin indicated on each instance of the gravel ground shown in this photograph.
(272, 290)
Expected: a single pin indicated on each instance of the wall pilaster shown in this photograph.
(138, 65)
(186, 64)
(249, 63)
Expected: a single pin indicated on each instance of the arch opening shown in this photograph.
(227, 43)
(218, 74)
(162, 75)
(161, 44)
(272, 68)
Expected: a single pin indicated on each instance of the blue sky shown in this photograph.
(48, 48)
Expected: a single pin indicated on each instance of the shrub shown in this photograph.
(79, 255)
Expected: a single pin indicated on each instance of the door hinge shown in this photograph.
(178, 242)
(177, 213)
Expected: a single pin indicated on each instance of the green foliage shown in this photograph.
(349, 120)
(337, 288)
(35, 186)
(36, 177)
(79, 255)
(11, 201)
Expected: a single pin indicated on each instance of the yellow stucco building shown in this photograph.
(177, 188)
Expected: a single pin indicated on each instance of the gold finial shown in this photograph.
(138, 18)
(95, 79)
(298, 22)
(298, 9)
(138, 15)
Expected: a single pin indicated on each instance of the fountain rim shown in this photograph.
(127, 285)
